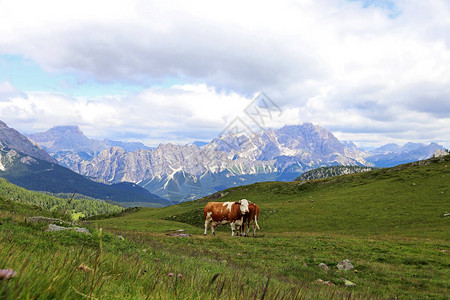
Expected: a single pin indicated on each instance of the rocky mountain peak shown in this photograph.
(12, 139)
(72, 129)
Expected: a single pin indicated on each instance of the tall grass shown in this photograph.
(66, 265)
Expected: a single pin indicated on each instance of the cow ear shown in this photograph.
(237, 202)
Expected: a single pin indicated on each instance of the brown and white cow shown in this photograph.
(225, 212)
(253, 215)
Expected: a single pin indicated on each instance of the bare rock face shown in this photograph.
(270, 151)
(12, 139)
(191, 171)
(439, 153)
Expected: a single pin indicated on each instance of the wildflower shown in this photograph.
(171, 274)
(180, 275)
(7, 274)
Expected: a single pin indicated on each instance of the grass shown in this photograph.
(388, 222)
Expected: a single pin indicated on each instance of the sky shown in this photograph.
(370, 71)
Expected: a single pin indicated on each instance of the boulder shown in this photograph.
(345, 265)
(53, 227)
(348, 282)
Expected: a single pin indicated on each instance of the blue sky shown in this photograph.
(369, 71)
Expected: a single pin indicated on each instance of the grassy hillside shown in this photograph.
(407, 200)
(75, 208)
(388, 222)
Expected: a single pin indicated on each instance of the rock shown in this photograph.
(178, 234)
(53, 227)
(324, 266)
(45, 219)
(439, 153)
(81, 229)
(345, 265)
(348, 282)
(320, 281)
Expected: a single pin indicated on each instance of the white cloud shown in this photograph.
(177, 114)
(365, 72)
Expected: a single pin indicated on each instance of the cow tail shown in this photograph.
(256, 222)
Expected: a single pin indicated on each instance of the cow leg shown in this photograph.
(207, 220)
(233, 228)
(206, 226)
(248, 228)
(213, 228)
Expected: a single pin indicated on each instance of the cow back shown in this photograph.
(222, 211)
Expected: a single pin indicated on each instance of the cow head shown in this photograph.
(244, 206)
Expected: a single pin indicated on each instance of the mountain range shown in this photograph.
(26, 164)
(390, 155)
(186, 172)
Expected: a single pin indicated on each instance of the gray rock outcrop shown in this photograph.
(345, 265)
(53, 227)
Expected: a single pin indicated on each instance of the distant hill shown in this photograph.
(326, 172)
(390, 155)
(41, 175)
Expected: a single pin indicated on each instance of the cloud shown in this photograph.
(363, 68)
(181, 113)
(7, 91)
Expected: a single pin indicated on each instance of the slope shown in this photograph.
(11, 138)
(407, 200)
(389, 222)
(282, 262)
(40, 175)
(71, 208)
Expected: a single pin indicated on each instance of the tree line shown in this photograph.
(76, 207)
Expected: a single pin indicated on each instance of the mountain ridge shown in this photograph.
(9, 137)
(30, 166)
(232, 159)
(186, 172)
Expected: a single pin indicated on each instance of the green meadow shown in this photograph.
(389, 223)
